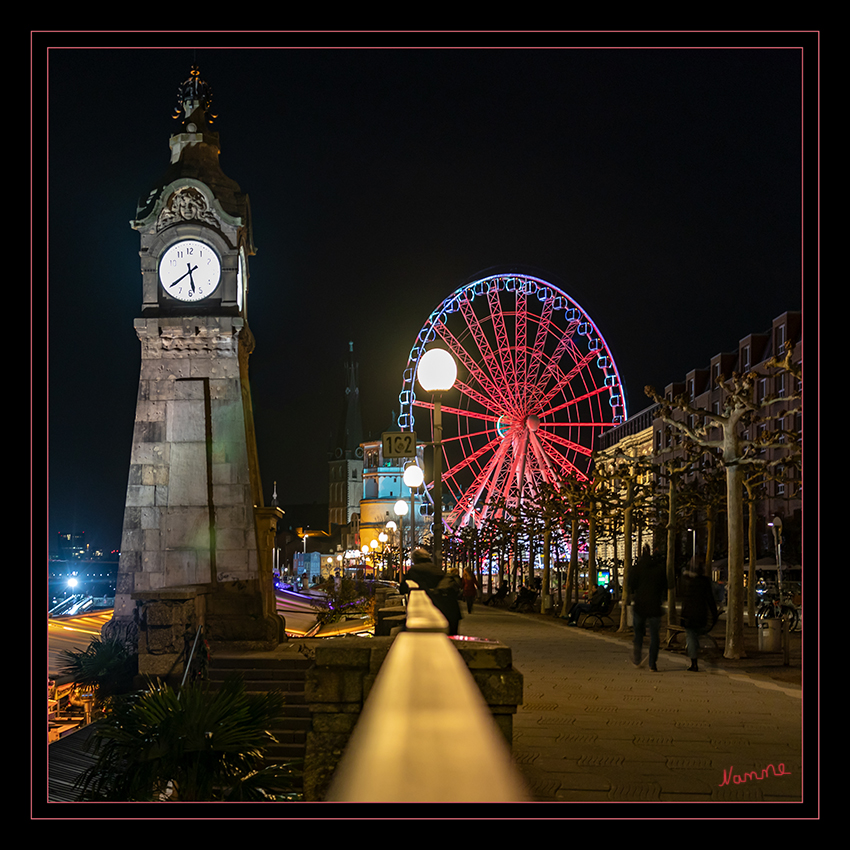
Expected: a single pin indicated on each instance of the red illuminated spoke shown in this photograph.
(543, 330)
(488, 357)
(502, 339)
(451, 472)
(457, 411)
(489, 475)
(493, 390)
(574, 402)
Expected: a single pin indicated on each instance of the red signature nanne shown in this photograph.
(738, 779)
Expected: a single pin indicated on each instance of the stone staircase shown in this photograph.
(263, 674)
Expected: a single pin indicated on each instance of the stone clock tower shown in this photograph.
(196, 543)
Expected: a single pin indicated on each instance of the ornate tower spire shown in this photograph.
(194, 99)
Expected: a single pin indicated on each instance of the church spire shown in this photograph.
(350, 433)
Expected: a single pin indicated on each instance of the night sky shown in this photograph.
(659, 186)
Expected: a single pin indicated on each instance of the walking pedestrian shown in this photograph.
(699, 614)
(470, 589)
(648, 586)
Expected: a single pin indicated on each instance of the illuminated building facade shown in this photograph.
(382, 488)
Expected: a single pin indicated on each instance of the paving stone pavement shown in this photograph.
(593, 728)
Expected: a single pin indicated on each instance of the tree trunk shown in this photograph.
(591, 544)
(710, 525)
(751, 580)
(735, 589)
(547, 548)
(574, 557)
(624, 596)
(627, 536)
(672, 617)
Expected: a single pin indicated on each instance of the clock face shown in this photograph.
(190, 270)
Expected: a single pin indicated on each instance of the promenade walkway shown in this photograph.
(593, 728)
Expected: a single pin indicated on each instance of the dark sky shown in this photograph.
(660, 186)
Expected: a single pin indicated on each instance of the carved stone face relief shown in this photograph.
(187, 204)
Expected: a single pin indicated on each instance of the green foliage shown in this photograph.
(344, 597)
(105, 665)
(193, 745)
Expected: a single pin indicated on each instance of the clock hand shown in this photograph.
(188, 274)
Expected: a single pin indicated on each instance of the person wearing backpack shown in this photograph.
(443, 589)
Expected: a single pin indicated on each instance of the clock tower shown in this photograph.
(197, 541)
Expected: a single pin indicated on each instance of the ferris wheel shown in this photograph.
(536, 385)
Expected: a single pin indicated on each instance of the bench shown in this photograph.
(599, 616)
(674, 632)
(499, 598)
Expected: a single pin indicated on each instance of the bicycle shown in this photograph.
(772, 609)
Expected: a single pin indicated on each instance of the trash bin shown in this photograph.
(770, 637)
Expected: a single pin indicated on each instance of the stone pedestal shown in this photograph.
(191, 519)
(232, 616)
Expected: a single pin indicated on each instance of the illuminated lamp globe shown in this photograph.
(400, 507)
(413, 476)
(437, 371)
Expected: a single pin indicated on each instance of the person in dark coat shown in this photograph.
(699, 614)
(648, 586)
(443, 589)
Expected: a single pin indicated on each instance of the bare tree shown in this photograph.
(729, 434)
(626, 485)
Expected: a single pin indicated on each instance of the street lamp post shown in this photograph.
(400, 509)
(776, 526)
(437, 373)
(413, 478)
(373, 546)
(391, 528)
(383, 537)
(693, 549)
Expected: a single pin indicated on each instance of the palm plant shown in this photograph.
(191, 745)
(105, 666)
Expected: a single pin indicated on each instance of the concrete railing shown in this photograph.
(426, 733)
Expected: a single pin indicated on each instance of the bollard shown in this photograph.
(769, 635)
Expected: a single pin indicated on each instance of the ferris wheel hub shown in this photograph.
(532, 423)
